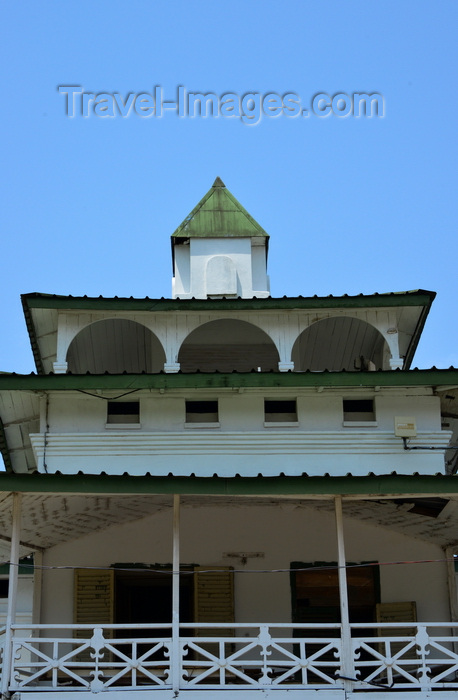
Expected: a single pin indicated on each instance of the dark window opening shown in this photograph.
(146, 597)
(4, 586)
(201, 411)
(280, 411)
(315, 599)
(123, 412)
(358, 410)
(315, 592)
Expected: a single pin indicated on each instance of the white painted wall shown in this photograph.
(198, 275)
(79, 413)
(284, 532)
(78, 438)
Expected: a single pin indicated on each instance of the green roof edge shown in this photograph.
(199, 380)
(38, 300)
(32, 334)
(244, 486)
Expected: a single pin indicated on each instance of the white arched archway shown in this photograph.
(115, 345)
(228, 345)
(339, 343)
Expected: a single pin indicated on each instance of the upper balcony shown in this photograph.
(304, 334)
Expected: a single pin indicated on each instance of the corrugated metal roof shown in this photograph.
(218, 215)
(41, 300)
(216, 380)
(383, 485)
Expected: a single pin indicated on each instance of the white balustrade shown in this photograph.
(419, 657)
(414, 656)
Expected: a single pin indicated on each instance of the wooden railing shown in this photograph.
(275, 656)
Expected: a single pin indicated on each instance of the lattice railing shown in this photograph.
(266, 656)
(422, 657)
(95, 663)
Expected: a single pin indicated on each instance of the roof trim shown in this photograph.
(238, 486)
(32, 335)
(37, 300)
(74, 382)
(412, 348)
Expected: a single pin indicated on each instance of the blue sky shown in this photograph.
(352, 205)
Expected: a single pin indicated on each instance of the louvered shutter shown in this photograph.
(93, 596)
(398, 612)
(214, 598)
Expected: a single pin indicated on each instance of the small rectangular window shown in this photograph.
(201, 411)
(358, 410)
(4, 585)
(280, 411)
(123, 412)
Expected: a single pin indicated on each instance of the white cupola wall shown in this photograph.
(219, 250)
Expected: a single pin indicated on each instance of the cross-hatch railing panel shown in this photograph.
(274, 656)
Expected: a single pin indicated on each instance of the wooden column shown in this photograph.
(175, 655)
(452, 591)
(451, 580)
(347, 656)
(12, 593)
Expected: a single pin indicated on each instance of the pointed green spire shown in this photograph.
(218, 183)
(219, 215)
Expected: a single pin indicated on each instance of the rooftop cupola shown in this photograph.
(219, 250)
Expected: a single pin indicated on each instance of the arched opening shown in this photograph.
(339, 343)
(221, 276)
(115, 345)
(226, 346)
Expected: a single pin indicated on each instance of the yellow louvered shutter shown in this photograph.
(93, 596)
(398, 612)
(214, 598)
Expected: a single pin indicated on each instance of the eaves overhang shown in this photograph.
(420, 299)
(388, 485)
(36, 300)
(131, 382)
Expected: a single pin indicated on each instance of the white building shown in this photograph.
(228, 494)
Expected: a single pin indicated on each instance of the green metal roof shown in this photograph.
(219, 215)
(38, 300)
(387, 484)
(215, 380)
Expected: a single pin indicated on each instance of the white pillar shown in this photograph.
(12, 593)
(451, 579)
(175, 656)
(37, 587)
(347, 655)
(64, 338)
